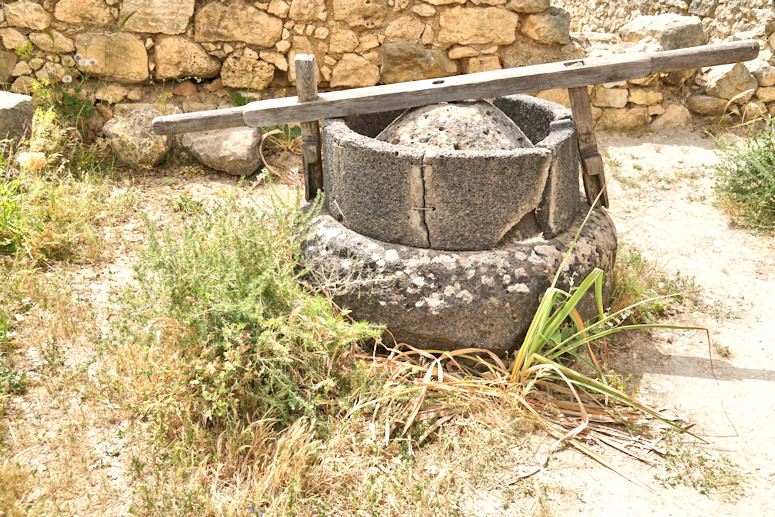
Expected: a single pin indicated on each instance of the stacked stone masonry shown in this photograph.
(197, 54)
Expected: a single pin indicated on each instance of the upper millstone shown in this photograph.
(468, 125)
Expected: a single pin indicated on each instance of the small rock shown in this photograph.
(766, 94)
(611, 97)
(707, 105)
(185, 89)
(354, 71)
(732, 82)
(762, 71)
(550, 26)
(16, 113)
(234, 151)
(645, 97)
(111, 93)
(133, 141)
(674, 116)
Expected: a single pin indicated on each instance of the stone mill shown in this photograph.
(447, 223)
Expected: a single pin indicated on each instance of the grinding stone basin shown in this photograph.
(437, 299)
(451, 199)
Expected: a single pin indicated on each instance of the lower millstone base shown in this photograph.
(449, 300)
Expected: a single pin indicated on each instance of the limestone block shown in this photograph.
(674, 116)
(645, 97)
(12, 39)
(445, 2)
(157, 16)
(754, 110)
(624, 118)
(462, 52)
(53, 41)
(234, 150)
(672, 31)
(120, 56)
(303, 45)
(7, 64)
(276, 58)
(282, 46)
(180, 57)
(550, 26)
(90, 13)
(23, 85)
(21, 68)
(308, 10)
(16, 113)
(656, 109)
(477, 25)
(354, 71)
(368, 42)
(424, 10)
(706, 104)
(730, 82)
(112, 93)
(237, 21)
(766, 94)
(488, 2)
(611, 97)
(278, 8)
(403, 61)
(243, 69)
(26, 14)
(702, 7)
(360, 13)
(133, 141)
(481, 64)
(184, 89)
(528, 6)
(526, 51)
(405, 27)
(763, 71)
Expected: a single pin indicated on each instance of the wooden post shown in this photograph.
(593, 172)
(311, 160)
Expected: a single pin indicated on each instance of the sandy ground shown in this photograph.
(663, 204)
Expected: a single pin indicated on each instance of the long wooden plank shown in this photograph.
(311, 161)
(480, 85)
(593, 171)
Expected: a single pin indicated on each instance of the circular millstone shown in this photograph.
(468, 125)
(450, 300)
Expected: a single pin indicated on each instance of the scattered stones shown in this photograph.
(234, 151)
(133, 141)
(177, 57)
(16, 113)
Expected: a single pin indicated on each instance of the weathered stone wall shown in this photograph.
(721, 18)
(250, 45)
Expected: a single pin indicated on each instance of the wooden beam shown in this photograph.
(570, 74)
(593, 171)
(311, 161)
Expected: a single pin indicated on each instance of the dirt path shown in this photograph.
(663, 204)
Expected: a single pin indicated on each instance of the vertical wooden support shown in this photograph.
(591, 161)
(311, 160)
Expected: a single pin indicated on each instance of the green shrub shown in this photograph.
(249, 342)
(745, 177)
